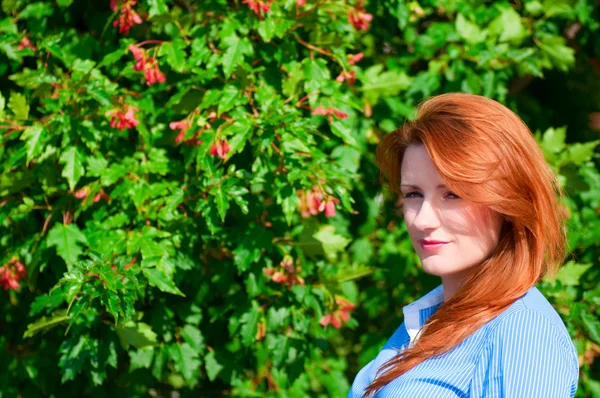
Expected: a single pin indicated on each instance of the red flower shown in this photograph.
(11, 273)
(350, 77)
(340, 315)
(182, 125)
(339, 114)
(313, 202)
(220, 148)
(355, 58)
(101, 195)
(148, 64)
(288, 274)
(358, 17)
(128, 18)
(329, 206)
(140, 57)
(123, 118)
(310, 201)
(25, 43)
(300, 3)
(82, 193)
(257, 6)
(321, 110)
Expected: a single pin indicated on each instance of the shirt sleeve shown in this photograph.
(526, 356)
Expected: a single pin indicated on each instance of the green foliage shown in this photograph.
(164, 258)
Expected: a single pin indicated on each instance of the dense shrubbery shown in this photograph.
(188, 193)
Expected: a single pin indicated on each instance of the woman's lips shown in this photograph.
(431, 246)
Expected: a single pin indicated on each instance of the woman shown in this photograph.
(483, 212)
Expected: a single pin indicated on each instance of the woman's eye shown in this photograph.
(415, 194)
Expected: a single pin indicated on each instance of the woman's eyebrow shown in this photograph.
(417, 187)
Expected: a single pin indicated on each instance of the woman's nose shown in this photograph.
(426, 217)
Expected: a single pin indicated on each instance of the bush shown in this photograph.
(188, 192)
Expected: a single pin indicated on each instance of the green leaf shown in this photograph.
(17, 103)
(582, 152)
(37, 10)
(159, 279)
(339, 129)
(228, 99)
(570, 273)
(192, 335)
(332, 243)
(249, 321)
(234, 55)
(137, 335)
(34, 135)
(512, 28)
(157, 7)
(380, 84)
(316, 74)
(561, 55)
(212, 366)
(553, 140)
(64, 3)
(266, 29)
(141, 359)
(73, 168)
(592, 325)
(469, 31)
(186, 362)
(66, 238)
(552, 8)
(2, 105)
(221, 200)
(240, 133)
(45, 323)
(175, 54)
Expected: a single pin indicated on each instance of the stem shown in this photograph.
(150, 42)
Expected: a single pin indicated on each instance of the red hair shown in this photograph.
(485, 154)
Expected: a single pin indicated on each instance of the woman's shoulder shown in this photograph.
(528, 311)
(530, 320)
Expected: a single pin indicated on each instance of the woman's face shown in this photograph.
(433, 213)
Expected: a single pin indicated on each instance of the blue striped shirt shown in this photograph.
(525, 351)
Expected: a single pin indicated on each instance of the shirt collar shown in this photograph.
(417, 313)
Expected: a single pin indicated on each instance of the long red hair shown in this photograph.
(485, 154)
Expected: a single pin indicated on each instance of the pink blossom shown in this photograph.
(258, 6)
(147, 64)
(313, 202)
(358, 17)
(321, 110)
(287, 274)
(349, 76)
(152, 73)
(25, 43)
(123, 118)
(300, 3)
(355, 58)
(11, 273)
(182, 126)
(220, 148)
(101, 195)
(82, 193)
(329, 206)
(339, 114)
(127, 17)
(340, 315)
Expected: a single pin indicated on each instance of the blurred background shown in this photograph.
(189, 200)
